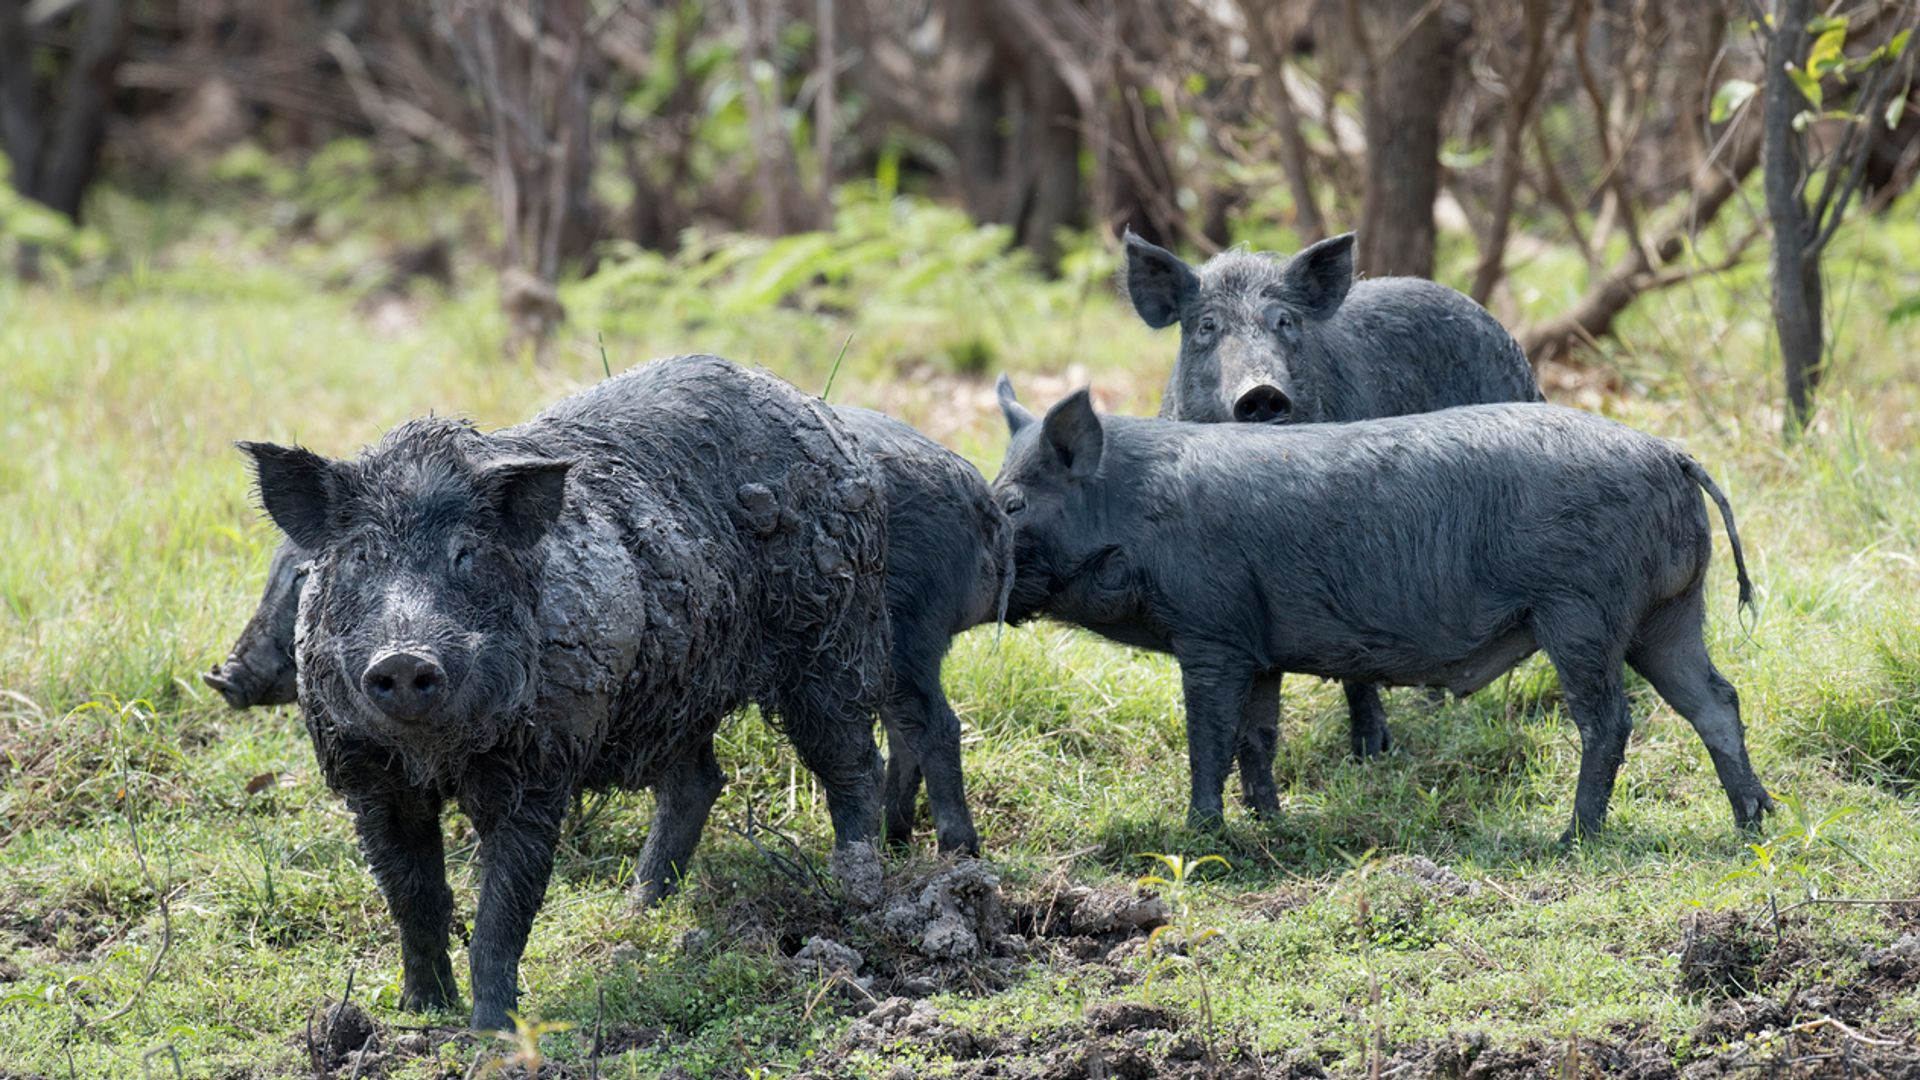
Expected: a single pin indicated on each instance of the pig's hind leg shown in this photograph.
(923, 734)
(682, 799)
(840, 751)
(1671, 653)
(1586, 654)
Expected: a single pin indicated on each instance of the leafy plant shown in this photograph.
(1795, 854)
(1185, 927)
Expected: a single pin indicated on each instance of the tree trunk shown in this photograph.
(1796, 262)
(55, 149)
(1269, 45)
(1522, 94)
(1406, 87)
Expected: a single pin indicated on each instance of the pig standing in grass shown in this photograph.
(949, 564)
(1431, 550)
(505, 620)
(1267, 339)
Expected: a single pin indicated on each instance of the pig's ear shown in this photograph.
(1159, 284)
(527, 495)
(299, 488)
(1319, 276)
(1017, 415)
(1073, 431)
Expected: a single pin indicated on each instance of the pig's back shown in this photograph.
(1409, 345)
(755, 528)
(949, 546)
(1452, 518)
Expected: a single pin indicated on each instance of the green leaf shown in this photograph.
(1727, 100)
(1897, 45)
(1809, 88)
(1828, 52)
(1820, 24)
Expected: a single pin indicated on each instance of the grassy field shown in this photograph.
(179, 893)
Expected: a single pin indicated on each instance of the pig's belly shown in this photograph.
(1461, 668)
(1477, 668)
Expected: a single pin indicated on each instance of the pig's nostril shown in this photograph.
(1262, 405)
(404, 685)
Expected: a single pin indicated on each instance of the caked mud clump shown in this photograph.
(946, 927)
(342, 1038)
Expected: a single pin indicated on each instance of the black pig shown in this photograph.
(259, 670)
(949, 563)
(1431, 550)
(505, 620)
(1272, 339)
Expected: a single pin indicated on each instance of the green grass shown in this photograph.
(131, 553)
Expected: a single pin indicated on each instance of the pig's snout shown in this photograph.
(1264, 404)
(405, 685)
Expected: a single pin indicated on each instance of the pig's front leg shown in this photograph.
(400, 835)
(516, 859)
(1367, 721)
(1217, 685)
(1259, 739)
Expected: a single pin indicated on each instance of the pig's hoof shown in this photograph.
(961, 842)
(647, 893)
(1750, 811)
(857, 867)
(1577, 834)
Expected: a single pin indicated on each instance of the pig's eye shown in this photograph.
(1207, 326)
(1013, 502)
(462, 557)
(1279, 318)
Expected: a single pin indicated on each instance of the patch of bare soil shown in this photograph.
(74, 931)
(1471, 1057)
(1122, 1040)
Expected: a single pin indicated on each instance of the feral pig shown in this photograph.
(1297, 340)
(506, 620)
(259, 669)
(949, 566)
(949, 563)
(1431, 550)
(1272, 339)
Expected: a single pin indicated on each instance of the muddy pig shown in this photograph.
(1438, 549)
(949, 564)
(506, 620)
(1271, 339)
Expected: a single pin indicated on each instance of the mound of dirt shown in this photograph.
(1720, 954)
(342, 1038)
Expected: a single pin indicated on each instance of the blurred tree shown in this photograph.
(1408, 51)
(1806, 55)
(52, 130)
